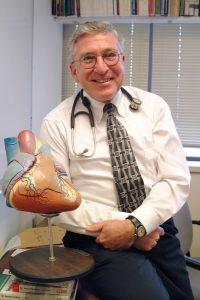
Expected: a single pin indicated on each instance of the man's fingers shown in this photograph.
(161, 230)
(97, 240)
(95, 227)
(149, 241)
(156, 234)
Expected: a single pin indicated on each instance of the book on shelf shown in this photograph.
(63, 7)
(142, 8)
(134, 7)
(95, 8)
(86, 8)
(174, 8)
(151, 7)
(15, 288)
(68, 8)
(182, 8)
(4, 279)
(164, 6)
(78, 8)
(157, 7)
(106, 8)
(59, 7)
(53, 8)
(194, 8)
(9, 295)
(53, 289)
(124, 7)
(187, 9)
(191, 7)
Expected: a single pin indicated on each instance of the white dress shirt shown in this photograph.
(156, 146)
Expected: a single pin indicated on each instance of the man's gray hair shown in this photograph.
(92, 28)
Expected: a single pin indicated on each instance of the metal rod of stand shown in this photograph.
(52, 257)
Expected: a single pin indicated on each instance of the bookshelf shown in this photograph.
(130, 19)
(127, 11)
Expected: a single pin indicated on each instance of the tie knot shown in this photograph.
(110, 108)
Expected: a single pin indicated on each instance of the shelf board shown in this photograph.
(130, 19)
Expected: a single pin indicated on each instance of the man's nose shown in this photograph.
(100, 65)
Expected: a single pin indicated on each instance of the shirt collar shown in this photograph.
(97, 107)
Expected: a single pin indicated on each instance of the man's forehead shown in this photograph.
(97, 43)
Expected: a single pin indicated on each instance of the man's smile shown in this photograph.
(102, 80)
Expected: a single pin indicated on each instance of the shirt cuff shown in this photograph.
(145, 214)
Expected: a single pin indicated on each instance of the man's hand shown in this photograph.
(146, 243)
(114, 234)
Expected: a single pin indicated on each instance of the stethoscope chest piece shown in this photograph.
(134, 104)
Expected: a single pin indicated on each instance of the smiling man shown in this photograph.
(120, 148)
(102, 65)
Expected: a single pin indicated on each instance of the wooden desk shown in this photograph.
(4, 262)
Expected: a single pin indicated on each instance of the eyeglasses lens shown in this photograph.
(110, 58)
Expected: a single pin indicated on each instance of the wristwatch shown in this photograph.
(140, 230)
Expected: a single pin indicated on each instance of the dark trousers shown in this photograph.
(131, 274)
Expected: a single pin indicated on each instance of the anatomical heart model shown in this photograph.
(33, 182)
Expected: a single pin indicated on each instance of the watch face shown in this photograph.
(141, 231)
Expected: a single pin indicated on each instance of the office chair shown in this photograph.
(184, 224)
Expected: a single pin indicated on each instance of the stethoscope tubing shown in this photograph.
(134, 105)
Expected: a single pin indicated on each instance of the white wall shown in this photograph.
(47, 62)
(16, 32)
(30, 82)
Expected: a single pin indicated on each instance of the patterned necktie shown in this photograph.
(127, 177)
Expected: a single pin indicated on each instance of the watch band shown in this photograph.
(140, 230)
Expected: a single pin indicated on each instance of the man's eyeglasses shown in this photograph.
(89, 61)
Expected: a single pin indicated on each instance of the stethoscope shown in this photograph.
(134, 105)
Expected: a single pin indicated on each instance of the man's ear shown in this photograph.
(73, 72)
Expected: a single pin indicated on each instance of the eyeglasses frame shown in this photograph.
(81, 60)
